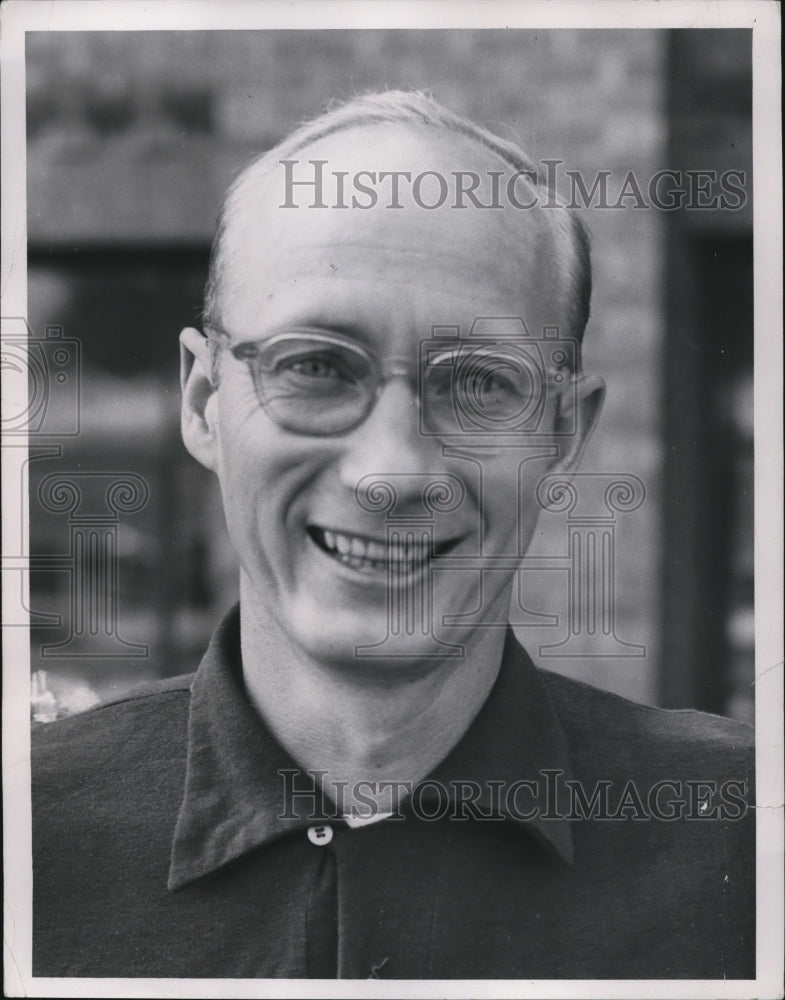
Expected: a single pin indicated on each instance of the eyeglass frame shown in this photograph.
(249, 350)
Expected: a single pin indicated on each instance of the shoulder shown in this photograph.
(146, 726)
(604, 727)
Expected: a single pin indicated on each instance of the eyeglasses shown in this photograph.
(318, 383)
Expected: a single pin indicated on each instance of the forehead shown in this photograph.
(445, 264)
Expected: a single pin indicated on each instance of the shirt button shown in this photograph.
(320, 835)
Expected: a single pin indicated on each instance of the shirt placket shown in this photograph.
(370, 908)
(321, 912)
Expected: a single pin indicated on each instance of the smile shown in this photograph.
(363, 553)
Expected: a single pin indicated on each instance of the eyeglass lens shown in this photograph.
(322, 387)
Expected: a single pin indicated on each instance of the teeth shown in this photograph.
(376, 551)
(407, 553)
(360, 553)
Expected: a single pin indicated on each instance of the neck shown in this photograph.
(364, 721)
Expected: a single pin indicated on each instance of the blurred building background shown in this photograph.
(133, 138)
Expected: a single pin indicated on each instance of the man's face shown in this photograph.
(315, 558)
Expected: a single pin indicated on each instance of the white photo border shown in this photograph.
(20, 16)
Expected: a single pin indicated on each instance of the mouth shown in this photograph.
(369, 555)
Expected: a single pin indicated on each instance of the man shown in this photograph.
(367, 777)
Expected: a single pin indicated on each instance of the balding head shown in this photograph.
(246, 219)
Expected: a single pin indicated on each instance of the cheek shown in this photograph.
(238, 404)
(251, 446)
(510, 507)
(499, 510)
(265, 472)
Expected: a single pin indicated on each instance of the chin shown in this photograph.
(350, 640)
(331, 633)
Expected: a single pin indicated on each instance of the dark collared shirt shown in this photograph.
(164, 844)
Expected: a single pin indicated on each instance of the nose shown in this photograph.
(389, 441)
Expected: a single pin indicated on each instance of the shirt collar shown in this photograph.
(233, 798)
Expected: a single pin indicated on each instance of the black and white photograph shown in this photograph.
(392, 499)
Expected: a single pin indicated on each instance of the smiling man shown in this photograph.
(367, 776)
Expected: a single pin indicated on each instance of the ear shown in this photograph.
(198, 416)
(577, 418)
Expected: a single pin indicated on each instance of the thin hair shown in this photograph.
(411, 108)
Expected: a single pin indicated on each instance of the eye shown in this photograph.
(312, 366)
(318, 366)
(494, 377)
